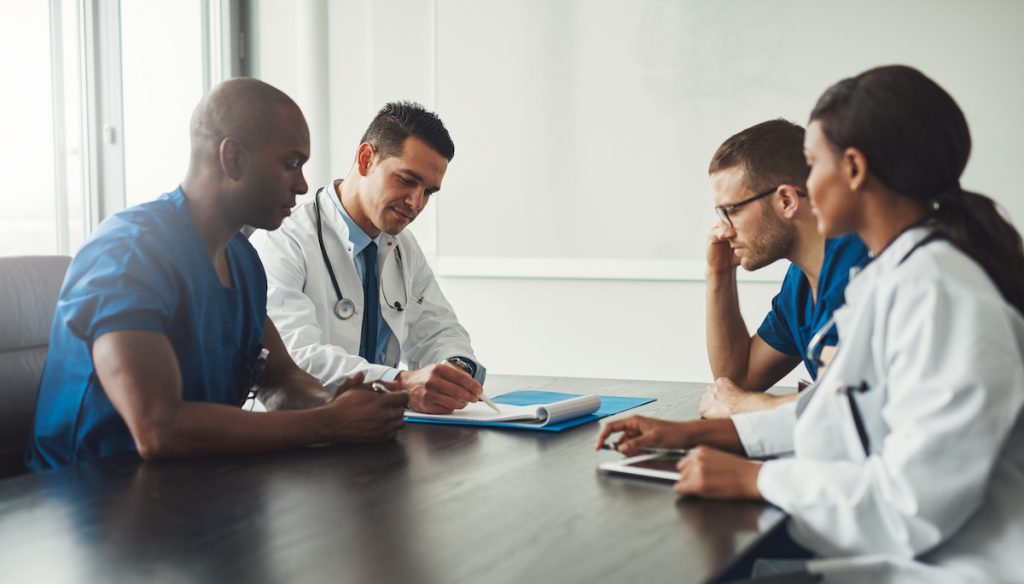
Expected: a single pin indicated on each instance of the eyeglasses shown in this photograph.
(725, 212)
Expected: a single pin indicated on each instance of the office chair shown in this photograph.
(28, 296)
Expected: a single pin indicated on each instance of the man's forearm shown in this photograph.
(296, 390)
(727, 337)
(202, 429)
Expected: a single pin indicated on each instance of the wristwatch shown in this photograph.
(462, 364)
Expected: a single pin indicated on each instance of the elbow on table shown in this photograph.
(155, 441)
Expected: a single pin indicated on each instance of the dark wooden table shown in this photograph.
(442, 504)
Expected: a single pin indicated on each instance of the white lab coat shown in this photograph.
(940, 495)
(301, 299)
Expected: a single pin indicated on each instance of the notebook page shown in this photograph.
(569, 408)
(480, 412)
(541, 414)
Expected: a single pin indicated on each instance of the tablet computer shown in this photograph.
(652, 466)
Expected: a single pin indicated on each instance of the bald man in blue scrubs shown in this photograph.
(161, 329)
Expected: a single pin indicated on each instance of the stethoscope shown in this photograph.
(814, 348)
(344, 308)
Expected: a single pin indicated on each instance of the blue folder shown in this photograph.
(610, 405)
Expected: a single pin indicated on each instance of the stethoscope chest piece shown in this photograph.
(344, 308)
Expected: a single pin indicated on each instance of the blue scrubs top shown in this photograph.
(145, 268)
(795, 316)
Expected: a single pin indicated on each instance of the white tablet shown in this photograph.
(652, 466)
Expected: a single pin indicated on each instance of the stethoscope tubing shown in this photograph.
(345, 308)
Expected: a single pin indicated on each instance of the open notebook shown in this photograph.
(538, 414)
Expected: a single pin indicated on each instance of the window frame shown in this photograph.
(100, 96)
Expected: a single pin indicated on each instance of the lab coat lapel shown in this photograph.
(393, 287)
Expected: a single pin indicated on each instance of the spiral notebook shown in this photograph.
(534, 410)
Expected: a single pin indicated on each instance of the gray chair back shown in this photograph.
(28, 296)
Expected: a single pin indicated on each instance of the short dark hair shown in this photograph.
(771, 153)
(398, 120)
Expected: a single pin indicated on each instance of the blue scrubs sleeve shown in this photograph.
(775, 330)
(116, 286)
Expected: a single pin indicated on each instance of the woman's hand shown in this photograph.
(639, 432)
(713, 474)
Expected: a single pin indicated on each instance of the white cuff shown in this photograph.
(771, 482)
(767, 432)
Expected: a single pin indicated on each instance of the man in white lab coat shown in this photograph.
(350, 289)
(758, 177)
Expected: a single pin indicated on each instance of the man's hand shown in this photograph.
(724, 398)
(720, 256)
(639, 432)
(360, 414)
(713, 474)
(439, 389)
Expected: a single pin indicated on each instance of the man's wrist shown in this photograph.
(715, 274)
(323, 426)
(391, 374)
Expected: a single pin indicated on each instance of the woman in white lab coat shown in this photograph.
(905, 460)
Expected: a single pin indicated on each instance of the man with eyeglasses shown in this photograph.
(758, 177)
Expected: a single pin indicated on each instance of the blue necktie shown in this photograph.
(371, 305)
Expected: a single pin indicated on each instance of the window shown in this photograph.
(162, 57)
(28, 221)
(96, 108)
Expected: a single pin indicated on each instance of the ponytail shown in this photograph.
(976, 225)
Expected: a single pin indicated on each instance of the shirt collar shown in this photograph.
(356, 235)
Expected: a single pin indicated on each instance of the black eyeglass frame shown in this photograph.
(724, 211)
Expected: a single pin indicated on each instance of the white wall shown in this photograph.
(569, 233)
